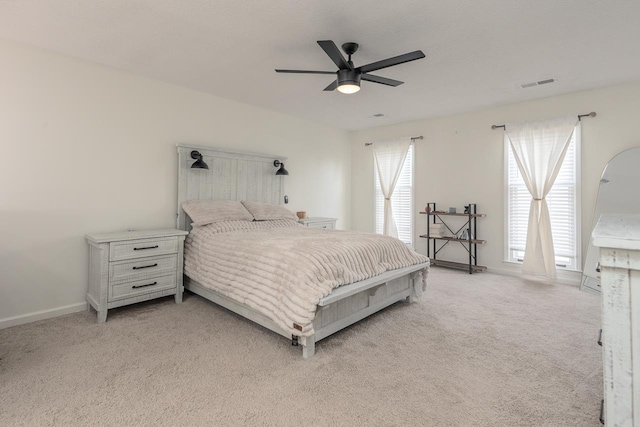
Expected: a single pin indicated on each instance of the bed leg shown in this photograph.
(409, 299)
(309, 349)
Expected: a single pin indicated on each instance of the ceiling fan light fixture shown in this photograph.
(348, 88)
(348, 81)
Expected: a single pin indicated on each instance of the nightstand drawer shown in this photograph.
(142, 248)
(319, 222)
(141, 287)
(141, 268)
(327, 225)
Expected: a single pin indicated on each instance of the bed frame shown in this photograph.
(236, 175)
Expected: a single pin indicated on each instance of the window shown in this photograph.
(401, 201)
(563, 202)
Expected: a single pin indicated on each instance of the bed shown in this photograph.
(291, 279)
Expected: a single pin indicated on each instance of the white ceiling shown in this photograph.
(477, 52)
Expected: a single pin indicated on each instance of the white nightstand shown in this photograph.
(318, 222)
(132, 266)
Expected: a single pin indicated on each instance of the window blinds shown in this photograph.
(401, 201)
(562, 202)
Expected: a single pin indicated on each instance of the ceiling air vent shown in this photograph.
(538, 83)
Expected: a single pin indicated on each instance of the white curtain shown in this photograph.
(539, 149)
(389, 157)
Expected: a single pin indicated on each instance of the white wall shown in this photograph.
(461, 160)
(86, 148)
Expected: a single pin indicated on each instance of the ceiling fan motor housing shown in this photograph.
(348, 77)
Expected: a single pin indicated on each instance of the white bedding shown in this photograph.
(283, 269)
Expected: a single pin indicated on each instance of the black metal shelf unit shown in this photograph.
(470, 243)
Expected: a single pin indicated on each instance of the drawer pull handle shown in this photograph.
(324, 226)
(600, 338)
(146, 266)
(143, 286)
(147, 247)
(602, 412)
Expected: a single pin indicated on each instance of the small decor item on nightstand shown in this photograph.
(301, 214)
(452, 210)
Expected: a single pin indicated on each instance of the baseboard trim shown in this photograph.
(572, 278)
(42, 315)
(564, 277)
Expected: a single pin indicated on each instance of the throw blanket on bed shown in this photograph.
(282, 269)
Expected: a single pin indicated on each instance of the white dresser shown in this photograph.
(319, 222)
(132, 266)
(618, 237)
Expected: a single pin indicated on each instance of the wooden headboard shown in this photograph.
(232, 175)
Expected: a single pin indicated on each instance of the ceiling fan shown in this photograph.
(348, 76)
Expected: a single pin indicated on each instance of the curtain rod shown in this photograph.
(366, 144)
(580, 116)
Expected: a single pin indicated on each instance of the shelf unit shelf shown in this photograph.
(470, 244)
(453, 239)
(477, 215)
(457, 265)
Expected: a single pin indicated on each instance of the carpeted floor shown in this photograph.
(481, 350)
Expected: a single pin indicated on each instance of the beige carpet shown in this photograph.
(481, 350)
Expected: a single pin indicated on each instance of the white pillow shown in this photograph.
(266, 211)
(203, 212)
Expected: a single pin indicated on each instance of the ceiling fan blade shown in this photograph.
(332, 86)
(305, 71)
(334, 53)
(381, 80)
(390, 62)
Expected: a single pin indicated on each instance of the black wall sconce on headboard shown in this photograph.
(282, 170)
(199, 163)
